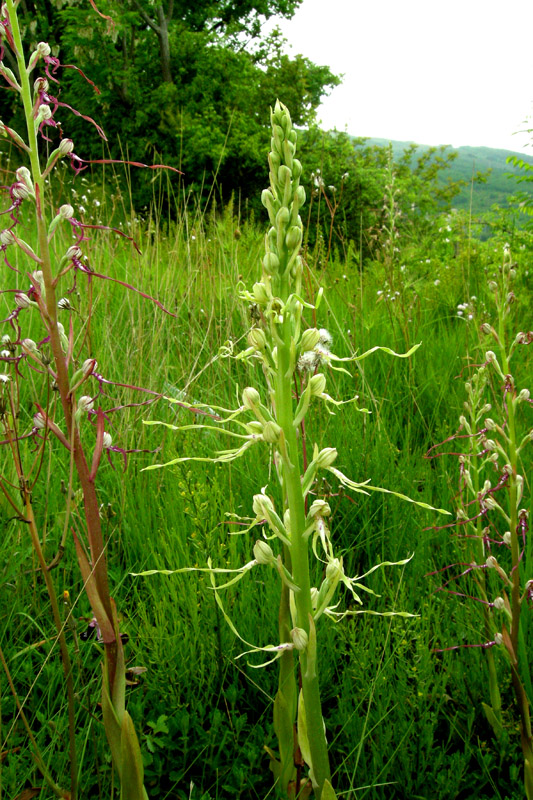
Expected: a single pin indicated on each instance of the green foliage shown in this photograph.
(177, 80)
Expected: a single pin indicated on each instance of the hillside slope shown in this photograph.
(500, 185)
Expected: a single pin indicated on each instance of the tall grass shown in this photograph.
(409, 724)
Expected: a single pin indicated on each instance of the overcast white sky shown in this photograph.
(458, 72)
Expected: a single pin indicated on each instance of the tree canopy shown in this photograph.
(188, 81)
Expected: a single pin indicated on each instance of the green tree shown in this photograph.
(189, 81)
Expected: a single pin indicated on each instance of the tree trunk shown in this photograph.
(164, 46)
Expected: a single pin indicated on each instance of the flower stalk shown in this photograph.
(290, 354)
(39, 109)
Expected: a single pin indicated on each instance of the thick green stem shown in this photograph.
(286, 700)
(299, 555)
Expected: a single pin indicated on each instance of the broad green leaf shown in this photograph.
(328, 792)
(132, 771)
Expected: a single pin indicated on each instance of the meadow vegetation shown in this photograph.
(409, 702)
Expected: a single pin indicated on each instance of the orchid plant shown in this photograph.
(492, 515)
(67, 387)
(294, 358)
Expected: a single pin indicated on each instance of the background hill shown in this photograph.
(500, 184)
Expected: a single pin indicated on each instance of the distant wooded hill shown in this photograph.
(499, 187)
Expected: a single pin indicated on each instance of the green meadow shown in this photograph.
(404, 714)
(138, 322)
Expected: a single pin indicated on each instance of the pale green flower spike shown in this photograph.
(287, 349)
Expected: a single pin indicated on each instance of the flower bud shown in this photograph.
(43, 48)
(523, 395)
(271, 264)
(271, 432)
(319, 508)
(255, 427)
(250, 398)
(498, 639)
(38, 421)
(507, 538)
(66, 147)
(66, 211)
(22, 300)
(326, 457)
(299, 195)
(44, 113)
(309, 339)
(263, 506)
(499, 603)
(284, 174)
(257, 339)
(7, 237)
(20, 191)
(490, 425)
(73, 252)
(260, 292)
(85, 403)
(263, 553)
(89, 366)
(107, 440)
(282, 217)
(491, 562)
(293, 238)
(334, 570)
(41, 85)
(29, 346)
(300, 638)
(317, 384)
